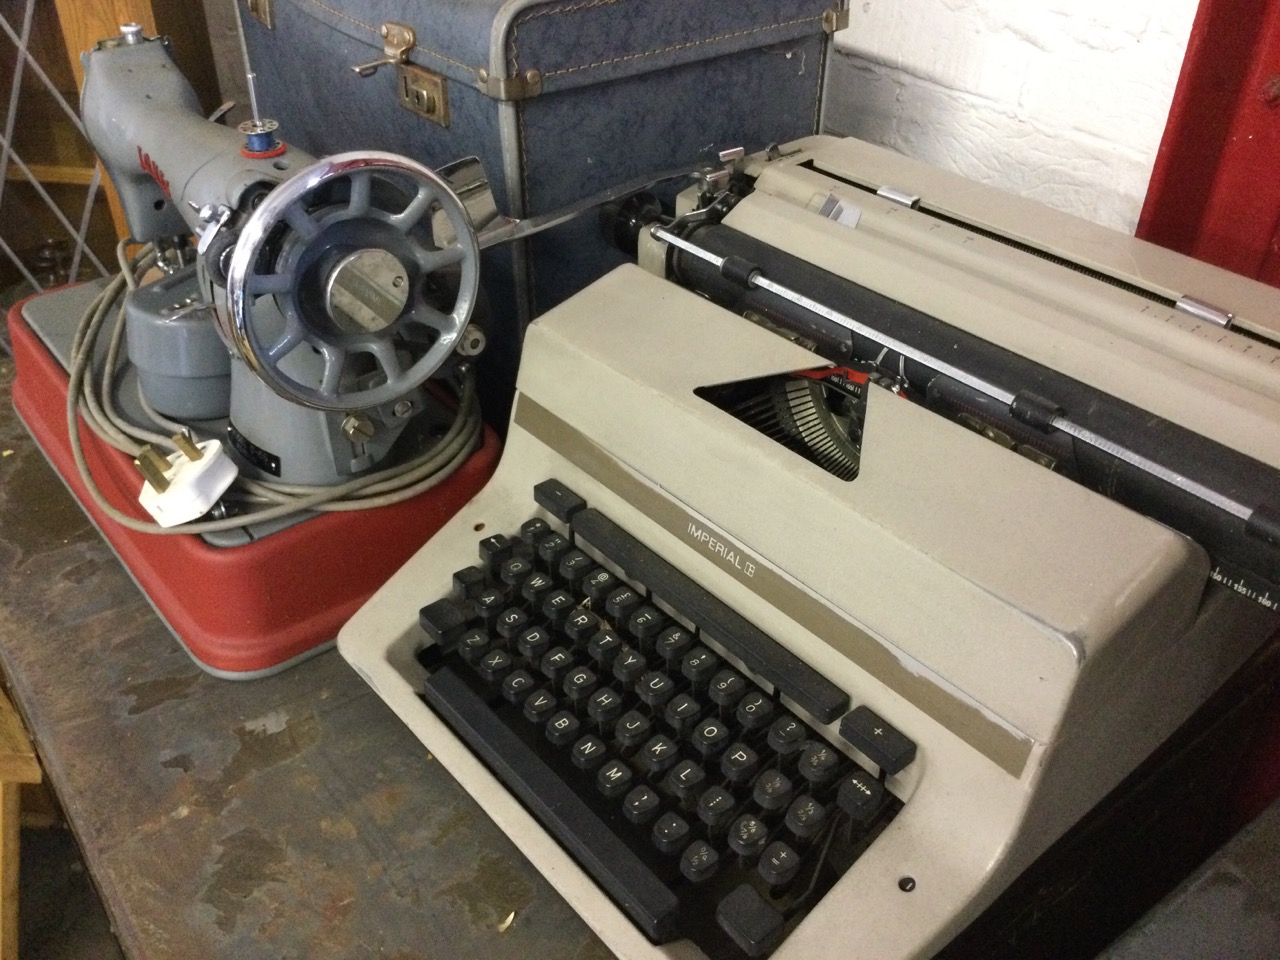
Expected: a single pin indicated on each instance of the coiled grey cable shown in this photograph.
(89, 401)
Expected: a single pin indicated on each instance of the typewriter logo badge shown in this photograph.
(718, 548)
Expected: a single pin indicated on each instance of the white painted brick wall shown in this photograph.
(1061, 100)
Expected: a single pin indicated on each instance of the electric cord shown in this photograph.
(90, 400)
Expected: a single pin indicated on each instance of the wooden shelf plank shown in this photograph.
(53, 173)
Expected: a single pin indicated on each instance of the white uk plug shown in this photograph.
(185, 484)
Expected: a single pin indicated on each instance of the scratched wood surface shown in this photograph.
(289, 817)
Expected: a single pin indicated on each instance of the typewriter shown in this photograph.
(844, 553)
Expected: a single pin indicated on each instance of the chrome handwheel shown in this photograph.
(371, 267)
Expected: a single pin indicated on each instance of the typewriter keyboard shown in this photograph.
(639, 719)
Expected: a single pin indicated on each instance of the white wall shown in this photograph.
(1061, 100)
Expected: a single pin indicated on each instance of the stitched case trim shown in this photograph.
(513, 44)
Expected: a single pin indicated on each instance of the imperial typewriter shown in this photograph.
(844, 553)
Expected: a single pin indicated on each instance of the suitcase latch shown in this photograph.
(424, 92)
(397, 41)
(418, 89)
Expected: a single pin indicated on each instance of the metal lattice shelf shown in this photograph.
(14, 169)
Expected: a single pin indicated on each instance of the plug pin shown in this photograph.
(187, 446)
(152, 465)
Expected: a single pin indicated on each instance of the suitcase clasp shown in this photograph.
(418, 89)
(397, 40)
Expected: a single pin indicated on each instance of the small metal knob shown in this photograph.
(131, 32)
(358, 428)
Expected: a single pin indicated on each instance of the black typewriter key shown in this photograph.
(819, 762)
(699, 666)
(805, 817)
(748, 836)
(753, 922)
(495, 550)
(533, 643)
(444, 621)
(598, 584)
(725, 690)
(772, 791)
(579, 683)
(604, 647)
(604, 706)
(539, 706)
(514, 570)
(779, 864)
(670, 833)
(682, 714)
(716, 807)
(699, 861)
(517, 685)
(710, 737)
(739, 763)
(535, 588)
(658, 755)
(580, 626)
(767, 658)
(511, 623)
(672, 644)
(645, 623)
(614, 779)
(563, 728)
(632, 729)
(557, 499)
(686, 779)
(588, 753)
(655, 689)
(557, 605)
(531, 531)
(884, 744)
(621, 603)
(473, 645)
(860, 796)
(641, 805)
(787, 735)
(555, 664)
(468, 582)
(488, 604)
(494, 665)
(551, 548)
(755, 710)
(628, 666)
(573, 566)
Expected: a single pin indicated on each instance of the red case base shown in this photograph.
(250, 610)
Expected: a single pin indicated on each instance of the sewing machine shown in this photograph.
(293, 377)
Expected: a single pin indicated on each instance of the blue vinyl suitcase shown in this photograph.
(559, 100)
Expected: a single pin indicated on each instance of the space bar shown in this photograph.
(645, 898)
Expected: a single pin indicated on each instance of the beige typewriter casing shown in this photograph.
(1035, 639)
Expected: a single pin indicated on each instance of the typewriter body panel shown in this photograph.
(1033, 638)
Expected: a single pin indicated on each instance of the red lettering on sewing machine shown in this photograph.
(149, 166)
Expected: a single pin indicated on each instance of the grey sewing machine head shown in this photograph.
(322, 294)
